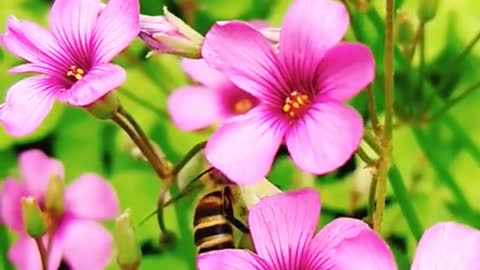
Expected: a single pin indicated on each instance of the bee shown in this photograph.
(214, 218)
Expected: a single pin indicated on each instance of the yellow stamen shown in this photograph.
(242, 106)
(295, 104)
(75, 73)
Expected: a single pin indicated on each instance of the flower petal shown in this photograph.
(348, 243)
(325, 137)
(230, 259)
(91, 197)
(37, 169)
(194, 108)
(244, 148)
(247, 59)
(117, 26)
(305, 38)
(72, 23)
(99, 80)
(345, 70)
(27, 104)
(448, 245)
(201, 72)
(24, 255)
(11, 210)
(32, 43)
(282, 227)
(79, 236)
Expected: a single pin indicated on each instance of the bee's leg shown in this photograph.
(228, 211)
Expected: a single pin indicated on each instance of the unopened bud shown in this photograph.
(33, 218)
(54, 199)
(105, 107)
(129, 254)
(427, 9)
(404, 29)
(169, 34)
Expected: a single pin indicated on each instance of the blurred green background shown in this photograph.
(431, 154)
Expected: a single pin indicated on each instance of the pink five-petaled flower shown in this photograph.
(197, 107)
(282, 229)
(301, 89)
(72, 61)
(77, 238)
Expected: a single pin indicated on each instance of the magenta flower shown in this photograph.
(301, 89)
(447, 246)
(282, 229)
(72, 61)
(198, 107)
(76, 236)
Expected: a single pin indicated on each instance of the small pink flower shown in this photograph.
(302, 90)
(282, 229)
(447, 246)
(72, 61)
(77, 237)
(197, 107)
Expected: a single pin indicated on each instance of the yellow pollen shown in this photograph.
(242, 106)
(295, 104)
(75, 73)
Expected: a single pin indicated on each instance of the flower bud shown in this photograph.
(404, 29)
(427, 9)
(33, 219)
(169, 34)
(129, 253)
(54, 199)
(105, 107)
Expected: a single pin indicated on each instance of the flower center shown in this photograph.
(75, 73)
(242, 106)
(296, 104)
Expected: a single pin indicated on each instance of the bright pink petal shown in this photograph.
(194, 108)
(345, 70)
(448, 245)
(11, 211)
(72, 23)
(99, 80)
(91, 197)
(24, 255)
(37, 169)
(27, 104)
(32, 43)
(282, 227)
(117, 27)
(231, 259)
(325, 138)
(201, 72)
(309, 29)
(247, 59)
(348, 244)
(244, 148)
(86, 245)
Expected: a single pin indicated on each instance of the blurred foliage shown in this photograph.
(430, 153)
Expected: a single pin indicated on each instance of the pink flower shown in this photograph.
(282, 229)
(447, 246)
(198, 107)
(77, 237)
(301, 90)
(72, 61)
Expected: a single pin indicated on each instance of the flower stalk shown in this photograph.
(43, 253)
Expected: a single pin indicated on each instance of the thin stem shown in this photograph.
(455, 100)
(388, 76)
(372, 141)
(159, 163)
(365, 157)
(371, 198)
(418, 35)
(381, 193)
(371, 110)
(43, 253)
(195, 149)
(403, 199)
(421, 68)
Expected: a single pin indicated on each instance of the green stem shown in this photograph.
(371, 199)
(365, 157)
(441, 169)
(388, 76)
(452, 102)
(194, 151)
(372, 141)
(371, 110)
(421, 68)
(403, 199)
(43, 253)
